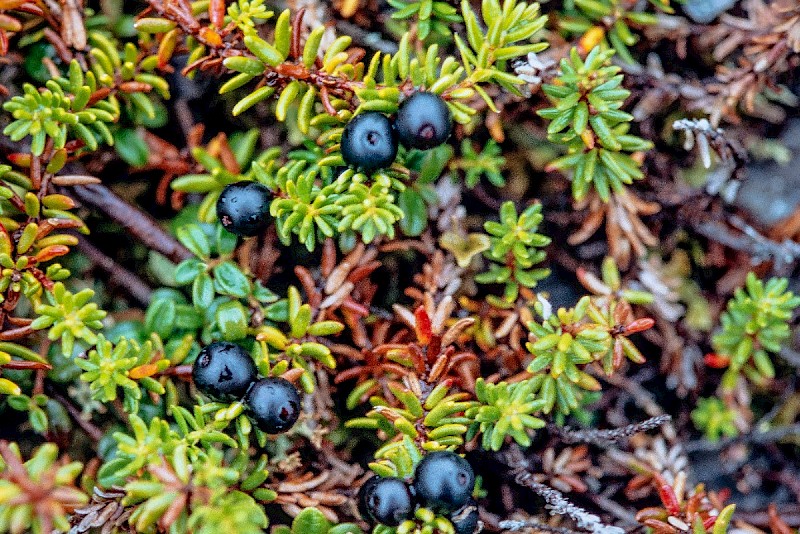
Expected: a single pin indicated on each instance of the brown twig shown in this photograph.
(750, 241)
(92, 430)
(752, 438)
(139, 223)
(118, 275)
(23, 365)
(789, 513)
(16, 333)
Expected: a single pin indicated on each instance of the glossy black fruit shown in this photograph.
(243, 208)
(386, 500)
(423, 121)
(224, 371)
(363, 493)
(369, 142)
(274, 404)
(444, 482)
(465, 520)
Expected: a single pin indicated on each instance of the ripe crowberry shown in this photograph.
(387, 501)
(363, 493)
(274, 404)
(369, 141)
(444, 481)
(465, 520)
(223, 371)
(423, 121)
(243, 208)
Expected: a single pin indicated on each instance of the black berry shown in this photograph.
(363, 493)
(423, 121)
(243, 208)
(274, 404)
(465, 520)
(387, 501)
(223, 371)
(369, 141)
(444, 482)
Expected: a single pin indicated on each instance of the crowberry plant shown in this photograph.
(263, 266)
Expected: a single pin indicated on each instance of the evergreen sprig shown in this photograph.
(438, 422)
(430, 17)
(609, 22)
(196, 435)
(127, 365)
(64, 106)
(247, 14)
(562, 344)
(714, 418)
(505, 410)
(515, 248)
(36, 495)
(754, 325)
(587, 119)
(186, 493)
(487, 163)
(69, 317)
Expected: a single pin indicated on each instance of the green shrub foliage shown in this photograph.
(471, 356)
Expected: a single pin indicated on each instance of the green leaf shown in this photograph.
(193, 238)
(131, 147)
(188, 270)
(160, 317)
(231, 318)
(202, 291)
(415, 212)
(230, 280)
(262, 93)
(264, 51)
(311, 521)
(311, 47)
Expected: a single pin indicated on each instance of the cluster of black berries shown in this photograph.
(443, 482)
(224, 371)
(369, 141)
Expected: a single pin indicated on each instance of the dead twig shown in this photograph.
(752, 438)
(607, 437)
(558, 504)
(515, 525)
(118, 275)
(366, 38)
(137, 222)
(791, 356)
(750, 241)
(92, 430)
